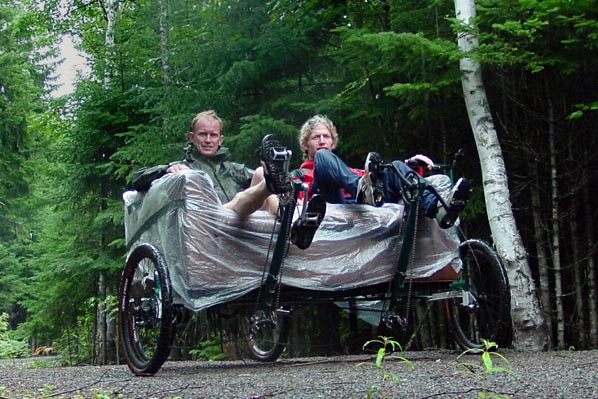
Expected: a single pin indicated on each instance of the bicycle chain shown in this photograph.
(284, 200)
(284, 255)
(404, 321)
(411, 260)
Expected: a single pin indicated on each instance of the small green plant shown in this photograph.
(491, 395)
(47, 390)
(99, 394)
(487, 365)
(388, 346)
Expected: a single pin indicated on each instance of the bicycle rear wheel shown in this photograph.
(485, 310)
(266, 335)
(146, 314)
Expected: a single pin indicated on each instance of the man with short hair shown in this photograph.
(238, 187)
(204, 152)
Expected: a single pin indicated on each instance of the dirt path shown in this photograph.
(434, 375)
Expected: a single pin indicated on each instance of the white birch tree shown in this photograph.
(525, 307)
(165, 43)
(110, 9)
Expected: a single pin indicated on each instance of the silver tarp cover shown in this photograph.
(215, 256)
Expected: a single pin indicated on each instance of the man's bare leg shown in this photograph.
(272, 177)
(248, 201)
(254, 198)
(271, 203)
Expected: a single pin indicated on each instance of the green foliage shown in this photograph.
(486, 364)
(10, 348)
(385, 72)
(252, 130)
(582, 108)
(524, 34)
(3, 326)
(476, 207)
(13, 349)
(209, 350)
(21, 83)
(388, 346)
(75, 342)
(492, 395)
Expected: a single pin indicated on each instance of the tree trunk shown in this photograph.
(111, 8)
(590, 244)
(102, 323)
(105, 329)
(525, 306)
(556, 251)
(165, 43)
(578, 263)
(540, 242)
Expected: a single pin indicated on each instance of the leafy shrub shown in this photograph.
(209, 350)
(10, 348)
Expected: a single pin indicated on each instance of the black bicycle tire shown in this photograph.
(491, 289)
(273, 353)
(134, 354)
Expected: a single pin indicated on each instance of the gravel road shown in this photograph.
(435, 374)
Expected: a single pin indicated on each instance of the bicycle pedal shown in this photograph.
(394, 321)
(378, 195)
(283, 312)
(311, 219)
(280, 154)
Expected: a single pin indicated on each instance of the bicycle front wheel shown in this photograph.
(146, 313)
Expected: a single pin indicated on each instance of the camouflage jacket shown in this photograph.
(228, 177)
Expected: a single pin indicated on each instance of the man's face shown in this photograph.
(319, 138)
(206, 136)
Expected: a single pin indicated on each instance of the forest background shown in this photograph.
(385, 71)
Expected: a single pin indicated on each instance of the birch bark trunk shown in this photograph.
(525, 307)
(165, 43)
(111, 7)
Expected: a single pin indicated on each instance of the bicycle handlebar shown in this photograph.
(447, 168)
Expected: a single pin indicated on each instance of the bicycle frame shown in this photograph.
(288, 206)
(477, 303)
(413, 187)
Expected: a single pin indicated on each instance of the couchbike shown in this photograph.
(188, 254)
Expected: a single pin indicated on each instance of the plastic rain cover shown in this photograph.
(214, 255)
